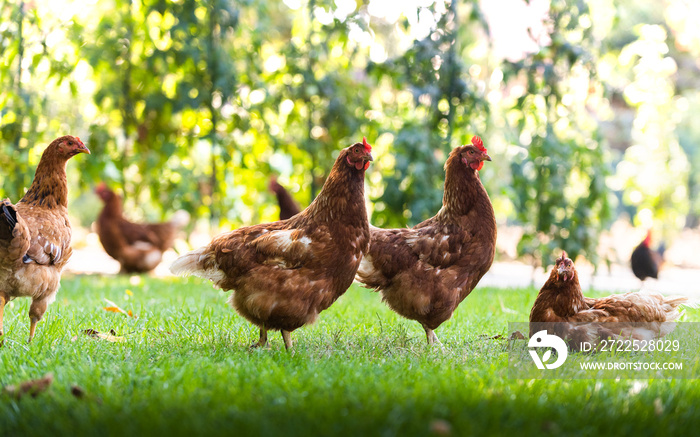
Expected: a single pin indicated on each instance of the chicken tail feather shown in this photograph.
(9, 220)
(187, 264)
(198, 263)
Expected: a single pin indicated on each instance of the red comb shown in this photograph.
(368, 148)
(476, 141)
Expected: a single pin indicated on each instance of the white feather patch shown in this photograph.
(191, 264)
(283, 239)
(366, 267)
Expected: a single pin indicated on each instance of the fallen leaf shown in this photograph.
(440, 427)
(112, 336)
(77, 392)
(517, 335)
(32, 388)
(114, 308)
(493, 337)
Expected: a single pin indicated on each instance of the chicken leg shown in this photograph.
(287, 337)
(263, 339)
(3, 301)
(36, 312)
(432, 338)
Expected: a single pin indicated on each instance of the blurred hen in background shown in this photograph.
(138, 247)
(288, 207)
(645, 261)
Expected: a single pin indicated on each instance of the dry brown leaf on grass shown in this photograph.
(517, 335)
(77, 391)
(112, 336)
(32, 387)
(440, 427)
(114, 308)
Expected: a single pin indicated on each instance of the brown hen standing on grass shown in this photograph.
(288, 207)
(285, 273)
(35, 234)
(561, 300)
(138, 247)
(424, 272)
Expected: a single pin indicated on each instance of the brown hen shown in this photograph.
(640, 315)
(138, 247)
(35, 234)
(424, 272)
(285, 273)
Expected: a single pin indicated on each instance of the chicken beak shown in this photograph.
(83, 149)
(562, 271)
(486, 157)
(369, 157)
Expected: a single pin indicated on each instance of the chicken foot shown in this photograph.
(36, 312)
(263, 339)
(432, 338)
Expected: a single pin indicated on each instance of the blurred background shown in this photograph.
(585, 107)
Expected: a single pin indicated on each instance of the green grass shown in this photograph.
(185, 368)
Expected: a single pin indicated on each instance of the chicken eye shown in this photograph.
(70, 143)
(357, 150)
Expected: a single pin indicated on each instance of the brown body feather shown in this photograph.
(36, 234)
(425, 272)
(138, 247)
(637, 315)
(285, 273)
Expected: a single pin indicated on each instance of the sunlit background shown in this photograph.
(586, 108)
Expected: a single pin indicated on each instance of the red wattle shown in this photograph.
(477, 165)
(366, 165)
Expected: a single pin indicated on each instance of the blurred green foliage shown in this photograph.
(193, 104)
(559, 173)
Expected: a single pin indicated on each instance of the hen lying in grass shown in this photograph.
(639, 315)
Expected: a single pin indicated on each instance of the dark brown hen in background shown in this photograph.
(138, 247)
(283, 274)
(35, 234)
(424, 272)
(288, 207)
(645, 261)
